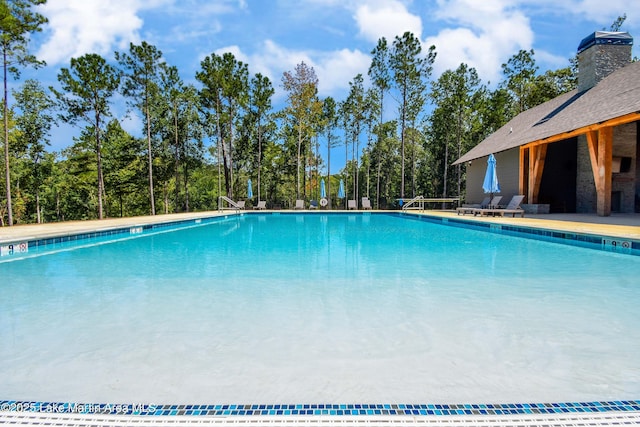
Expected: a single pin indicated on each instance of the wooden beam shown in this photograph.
(605, 157)
(627, 118)
(537, 157)
(540, 154)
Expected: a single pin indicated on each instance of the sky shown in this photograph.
(334, 36)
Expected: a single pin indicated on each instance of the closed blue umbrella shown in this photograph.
(323, 191)
(491, 184)
(341, 190)
(249, 190)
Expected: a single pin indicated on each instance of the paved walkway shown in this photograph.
(616, 225)
(39, 231)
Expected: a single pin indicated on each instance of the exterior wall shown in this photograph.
(624, 145)
(507, 164)
(585, 185)
(598, 61)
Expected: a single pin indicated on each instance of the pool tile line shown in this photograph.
(27, 245)
(585, 240)
(321, 409)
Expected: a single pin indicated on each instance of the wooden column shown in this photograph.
(600, 144)
(537, 155)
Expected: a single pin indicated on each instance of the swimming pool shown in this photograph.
(321, 308)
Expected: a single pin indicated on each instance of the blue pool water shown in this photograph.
(321, 308)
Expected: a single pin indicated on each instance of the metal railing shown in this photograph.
(231, 203)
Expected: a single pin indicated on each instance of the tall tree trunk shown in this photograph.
(402, 136)
(150, 159)
(185, 167)
(446, 168)
(99, 160)
(329, 170)
(298, 162)
(378, 185)
(259, 156)
(6, 142)
(177, 162)
(459, 141)
(38, 207)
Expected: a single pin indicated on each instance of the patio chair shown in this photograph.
(241, 204)
(351, 204)
(468, 209)
(262, 204)
(366, 203)
(313, 204)
(512, 208)
(299, 204)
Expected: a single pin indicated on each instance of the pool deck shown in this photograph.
(616, 225)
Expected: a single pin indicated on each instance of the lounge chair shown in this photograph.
(512, 208)
(468, 209)
(351, 204)
(299, 204)
(313, 204)
(486, 204)
(241, 204)
(262, 204)
(366, 203)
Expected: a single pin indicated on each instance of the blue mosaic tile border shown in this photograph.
(56, 242)
(584, 240)
(320, 409)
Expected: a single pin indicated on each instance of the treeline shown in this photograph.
(400, 132)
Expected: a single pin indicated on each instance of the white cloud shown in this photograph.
(77, 27)
(334, 69)
(386, 19)
(484, 36)
(604, 12)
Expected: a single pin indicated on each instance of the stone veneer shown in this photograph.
(594, 64)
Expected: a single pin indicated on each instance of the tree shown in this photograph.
(329, 124)
(410, 70)
(617, 24)
(304, 108)
(453, 94)
(520, 72)
(379, 71)
(33, 127)
(17, 22)
(141, 68)
(261, 91)
(354, 110)
(225, 93)
(86, 89)
(124, 171)
(179, 124)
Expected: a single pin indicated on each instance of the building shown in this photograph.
(579, 152)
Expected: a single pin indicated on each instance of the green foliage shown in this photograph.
(405, 150)
(86, 91)
(18, 21)
(224, 94)
(141, 67)
(303, 112)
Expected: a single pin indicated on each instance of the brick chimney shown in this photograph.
(600, 54)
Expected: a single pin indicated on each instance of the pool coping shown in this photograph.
(548, 414)
(609, 243)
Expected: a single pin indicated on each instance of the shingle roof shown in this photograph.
(616, 95)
